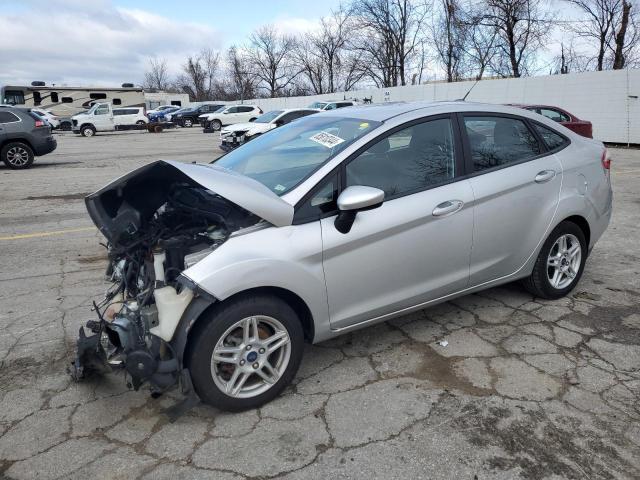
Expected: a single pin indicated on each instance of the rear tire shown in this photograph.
(255, 356)
(560, 263)
(17, 155)
(88, 131)
(187, 122)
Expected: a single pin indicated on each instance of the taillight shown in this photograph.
(606, 160)
(39, 123)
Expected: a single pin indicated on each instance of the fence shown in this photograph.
(608, 99)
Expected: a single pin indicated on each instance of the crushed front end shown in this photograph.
(158, 222)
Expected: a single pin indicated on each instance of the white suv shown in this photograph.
(332, 105)
(228, 116)
(129, 116)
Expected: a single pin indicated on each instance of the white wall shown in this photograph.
(604, 98)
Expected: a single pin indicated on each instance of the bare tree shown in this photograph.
(199, 77)
(450, 38)
(388, 33)
(626, 36)
(482, 42)
(522, 26)
(271, 59)
(597, 24)
(157, 76)
(241, 81)
(323, 58)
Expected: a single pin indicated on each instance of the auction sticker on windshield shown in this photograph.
(326, 139)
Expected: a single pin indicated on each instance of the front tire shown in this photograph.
(216, 125)
(560, 262)
(187, 122)
(17, 155)
(246, 353)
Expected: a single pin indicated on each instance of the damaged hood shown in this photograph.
(145, 186)
(239, 189)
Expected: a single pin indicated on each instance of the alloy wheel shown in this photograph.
(250, 356)
(18, 156)
(563, 262)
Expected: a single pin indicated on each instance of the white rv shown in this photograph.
(65, 102)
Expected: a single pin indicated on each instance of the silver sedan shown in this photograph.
(332, 223)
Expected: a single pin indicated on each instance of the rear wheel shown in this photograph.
(187, 122)
(88, 131)
(560, 263)
(247, 353)
(141, 122)
(17, 155)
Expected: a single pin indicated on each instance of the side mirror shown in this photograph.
(279, 123)
(354, 199)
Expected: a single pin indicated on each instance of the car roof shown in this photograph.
(381, 112)
(304, 109)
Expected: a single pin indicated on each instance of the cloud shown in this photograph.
(295, 26)
(78, 43)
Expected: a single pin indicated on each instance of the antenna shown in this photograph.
(472, 87)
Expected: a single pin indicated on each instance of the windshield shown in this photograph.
(319, 105)
(281, 159)
(268, 117)
(92, 109)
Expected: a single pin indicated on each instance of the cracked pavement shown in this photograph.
(525, 388)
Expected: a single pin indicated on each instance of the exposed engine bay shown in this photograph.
(157, 222)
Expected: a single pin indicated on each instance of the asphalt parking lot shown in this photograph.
(524, 389)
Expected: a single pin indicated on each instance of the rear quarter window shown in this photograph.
(552, 139)
(8, 117)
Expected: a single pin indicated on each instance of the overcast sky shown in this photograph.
(108, 42)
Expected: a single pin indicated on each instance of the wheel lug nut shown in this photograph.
(241, 362)
(255, 365)
(248, 347)
(262, 350)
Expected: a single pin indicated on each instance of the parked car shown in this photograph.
(102, 117)
(163, 108)
(229, 115)
(581, 127)
(332, 105)
(161, 115)
(51, 119)
(188, 117)
(332, 223)
(239, 133)
(23, 136)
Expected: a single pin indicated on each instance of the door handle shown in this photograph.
(447, 208)
(545, 175)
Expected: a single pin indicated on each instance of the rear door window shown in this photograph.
(497, 141)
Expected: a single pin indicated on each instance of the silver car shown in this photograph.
(332, 223)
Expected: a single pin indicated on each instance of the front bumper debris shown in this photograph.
(90, 356)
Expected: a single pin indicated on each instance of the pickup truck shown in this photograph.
(102, 117)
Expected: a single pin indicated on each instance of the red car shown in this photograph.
(581, 127)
